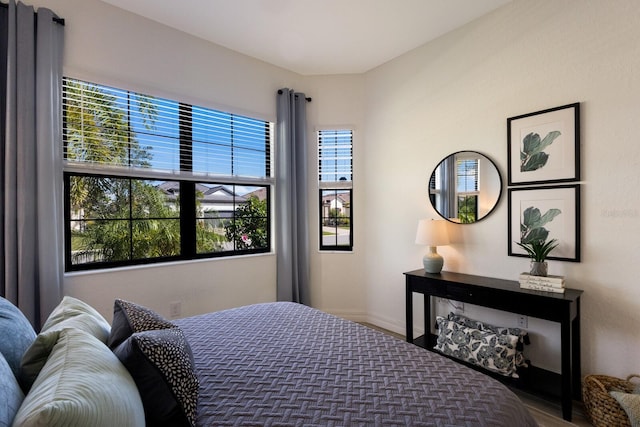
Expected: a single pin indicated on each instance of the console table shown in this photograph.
(506, 295)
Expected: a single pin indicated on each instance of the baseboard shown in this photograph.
(388, 324)
(354, 316)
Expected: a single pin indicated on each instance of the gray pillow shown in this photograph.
(129, 318)
(161, 364)
(17, 334)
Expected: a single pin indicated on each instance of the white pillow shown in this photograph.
(82, 384)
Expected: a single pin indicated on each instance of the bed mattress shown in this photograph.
(286, 364)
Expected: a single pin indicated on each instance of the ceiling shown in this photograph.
(313, 37)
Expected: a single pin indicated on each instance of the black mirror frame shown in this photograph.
(497, 202)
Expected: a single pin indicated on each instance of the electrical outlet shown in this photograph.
(175, 309)
(460, 307)
(523, 321)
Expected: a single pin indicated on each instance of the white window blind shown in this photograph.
(109, 129)
(467, 176)
(335, 156)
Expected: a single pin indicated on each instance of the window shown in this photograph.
(335, 173)
(467, 189)
(454, 187)
(150, 180)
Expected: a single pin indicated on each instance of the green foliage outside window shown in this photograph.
(248, 230)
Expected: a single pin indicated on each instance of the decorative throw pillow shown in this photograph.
(11, 396)
(523, 336)
(129, 318)
(71, 313)
(630, 402)
(495, 352)
(161, 364)
(17, 334)
(82, 384)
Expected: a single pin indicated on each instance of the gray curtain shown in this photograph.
(448, 192)
(292, 216)
(32, 212)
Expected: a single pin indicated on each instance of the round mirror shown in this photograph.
(465, 187)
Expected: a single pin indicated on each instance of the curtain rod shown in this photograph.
(308, 98)
(56, 20)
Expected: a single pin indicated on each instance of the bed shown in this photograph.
(271, 364)
(288, 364)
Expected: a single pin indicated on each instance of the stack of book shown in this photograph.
(542, 283)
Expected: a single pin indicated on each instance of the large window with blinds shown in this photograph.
(335, 178)
(150, 179)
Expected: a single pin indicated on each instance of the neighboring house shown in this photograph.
(217, 202)
(260, 193)
(339, 201)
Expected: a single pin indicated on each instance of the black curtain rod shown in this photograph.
(56, 20)
(308, 98)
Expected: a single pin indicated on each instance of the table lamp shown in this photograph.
(432, 233)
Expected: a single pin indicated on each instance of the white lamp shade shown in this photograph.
(432, 232)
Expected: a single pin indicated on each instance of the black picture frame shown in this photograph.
(544, 146)
(563, 225)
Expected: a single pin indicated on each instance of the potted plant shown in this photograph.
(538, 250)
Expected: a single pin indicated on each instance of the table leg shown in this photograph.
(575, 354)
(427, 321)
(565, 368)
(409, 312)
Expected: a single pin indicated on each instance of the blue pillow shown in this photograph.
(11, 396)
(17, 334)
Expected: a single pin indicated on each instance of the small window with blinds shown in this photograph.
(151, 180)
(335, 178)
(467, 189)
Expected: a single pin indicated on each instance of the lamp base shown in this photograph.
(432, 261)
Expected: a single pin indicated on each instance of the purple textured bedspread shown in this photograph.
(285, 364)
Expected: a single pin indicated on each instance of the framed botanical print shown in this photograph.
(545, 213)
(544, 147)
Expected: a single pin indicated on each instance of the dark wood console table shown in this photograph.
(506, 295)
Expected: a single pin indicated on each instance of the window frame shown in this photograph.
(187, 181)
(342, 185)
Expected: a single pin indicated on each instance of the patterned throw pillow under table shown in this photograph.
(495, 352)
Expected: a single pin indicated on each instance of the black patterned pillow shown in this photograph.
(495, 352)
(523, 336)
(129, 318)
(161, 364)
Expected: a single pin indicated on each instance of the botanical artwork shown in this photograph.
(544, 146)
(547, 216)
(532, 154)
(532, 227)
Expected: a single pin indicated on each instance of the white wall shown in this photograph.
(337, 278)
(456, 94)
(449, 95)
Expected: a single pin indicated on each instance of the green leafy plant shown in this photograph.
(538, 250)
(533, 222)
(533, 234)
(532, 156)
